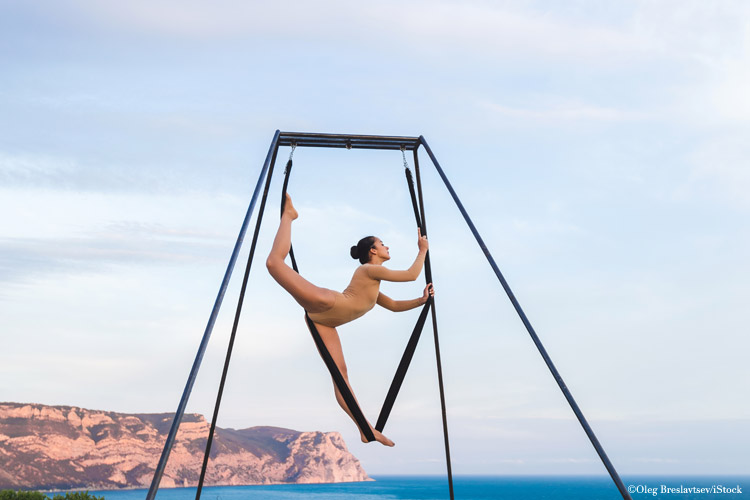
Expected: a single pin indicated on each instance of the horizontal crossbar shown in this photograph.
(347, 141)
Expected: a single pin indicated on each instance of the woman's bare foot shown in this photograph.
(289, 208)
(379, 437)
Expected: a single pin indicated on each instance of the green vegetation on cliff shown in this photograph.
(38, 495)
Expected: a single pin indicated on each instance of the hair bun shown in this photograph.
(362, 249)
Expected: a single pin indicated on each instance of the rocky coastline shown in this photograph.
(66, 447)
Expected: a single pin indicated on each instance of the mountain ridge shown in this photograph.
(68, 447)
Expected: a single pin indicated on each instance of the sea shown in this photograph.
(470, 488)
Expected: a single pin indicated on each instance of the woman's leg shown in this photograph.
(312, 298)
(331, 339)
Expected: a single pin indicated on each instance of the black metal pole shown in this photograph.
(209, 328)
(235, 325)
(428, 279)
(530, 329)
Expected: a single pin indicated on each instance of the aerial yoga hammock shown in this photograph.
(327, 309)
(363, 142)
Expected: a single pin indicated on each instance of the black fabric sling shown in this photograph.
(411, 346)
(338, 378)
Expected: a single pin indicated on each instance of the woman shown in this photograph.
(329, 309)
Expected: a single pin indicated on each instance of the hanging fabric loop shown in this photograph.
(333, 369)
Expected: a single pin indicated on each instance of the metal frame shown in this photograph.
(347, 141)
(361, 142)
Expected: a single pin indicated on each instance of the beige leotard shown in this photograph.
(359, 297)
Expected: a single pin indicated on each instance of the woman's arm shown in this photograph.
(384, 274)
(404, 305)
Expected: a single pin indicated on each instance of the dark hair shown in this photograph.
(361, 250)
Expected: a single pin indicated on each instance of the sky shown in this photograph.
(600, 148)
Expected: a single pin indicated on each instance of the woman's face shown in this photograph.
(381, 250)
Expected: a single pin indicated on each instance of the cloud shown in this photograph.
(476, 28)
(710, 43)
(116, 243)
(718, 169)
(33, 169)
(515, 29)
(563, 113)
(707, 32)
(132, 166)
(728, 95)
(44, 171)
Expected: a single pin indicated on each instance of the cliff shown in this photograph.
(63, 447)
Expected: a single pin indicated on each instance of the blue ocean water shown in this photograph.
(469, 488)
